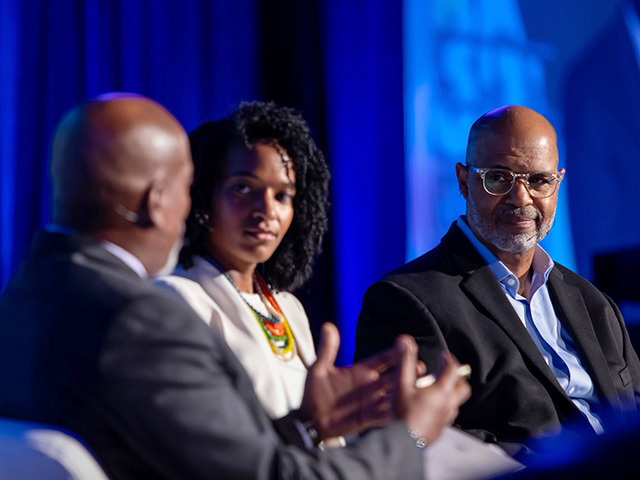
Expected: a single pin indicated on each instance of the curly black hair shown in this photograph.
(253, 122)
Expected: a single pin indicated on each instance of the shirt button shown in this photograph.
(572, 389)
(511, 282)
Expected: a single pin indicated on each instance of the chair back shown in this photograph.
(31, 451)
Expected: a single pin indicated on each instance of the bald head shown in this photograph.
(513, 125)
(121, 168)
(106, 153)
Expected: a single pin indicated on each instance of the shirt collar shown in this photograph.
(125, 256)
(542, 262)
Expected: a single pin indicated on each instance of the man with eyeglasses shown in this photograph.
(549, 353)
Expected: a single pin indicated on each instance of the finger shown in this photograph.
(452, 415)
(354, 416)
(382, 361)
(403, 340)
(409, 360)
(389, 358)
(421, 368)
(387, 382)
(329, 344)
(377, 409)
(462, 391)
(449, 377)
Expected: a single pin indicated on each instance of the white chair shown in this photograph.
(30, 451)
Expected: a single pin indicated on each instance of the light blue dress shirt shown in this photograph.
(539, 318)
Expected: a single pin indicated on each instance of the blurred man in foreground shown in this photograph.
(86, 343)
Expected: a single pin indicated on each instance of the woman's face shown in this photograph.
(253, 207)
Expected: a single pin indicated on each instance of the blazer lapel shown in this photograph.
(481, 285)
(231, 303)
(574, 316)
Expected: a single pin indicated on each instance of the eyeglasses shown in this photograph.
(497, 181)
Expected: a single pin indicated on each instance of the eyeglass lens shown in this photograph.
(499, 182)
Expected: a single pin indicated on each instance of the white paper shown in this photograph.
(456, 455)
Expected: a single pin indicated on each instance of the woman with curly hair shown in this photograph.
(258, 215)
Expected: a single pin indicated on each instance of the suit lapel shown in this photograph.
(481, 285)
(574, 316)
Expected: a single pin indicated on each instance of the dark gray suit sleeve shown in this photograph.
(178, 397)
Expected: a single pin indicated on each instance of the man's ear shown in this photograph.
(462, 172)
(151, 212)
(562, 172)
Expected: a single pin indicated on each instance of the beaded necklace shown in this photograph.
(275, 326)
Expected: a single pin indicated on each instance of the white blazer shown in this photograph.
(219, 304)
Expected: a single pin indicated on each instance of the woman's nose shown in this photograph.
(266, 205)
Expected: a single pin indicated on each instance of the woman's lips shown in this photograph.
(262, 235)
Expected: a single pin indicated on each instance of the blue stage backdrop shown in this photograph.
(196, 58)
(390, 89)
(363, 61)
(462, 59)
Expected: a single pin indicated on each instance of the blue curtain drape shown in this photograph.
(363, 81)
(200, 58)
(195, 57)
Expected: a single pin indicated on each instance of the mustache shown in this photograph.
(526, 213)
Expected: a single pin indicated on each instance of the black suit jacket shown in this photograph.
(450, 299)
(88, 345)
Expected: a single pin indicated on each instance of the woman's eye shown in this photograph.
(284, 197)
(241, 188)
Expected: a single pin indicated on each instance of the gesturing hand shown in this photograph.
(428, 411)
(341, 401)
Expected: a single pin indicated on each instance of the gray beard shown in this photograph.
(510, 243)
(172, 259)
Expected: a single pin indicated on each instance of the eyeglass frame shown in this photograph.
(483, 171)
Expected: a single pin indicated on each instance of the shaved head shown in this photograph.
(121, 169)
(107, 152)
(511, 122)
